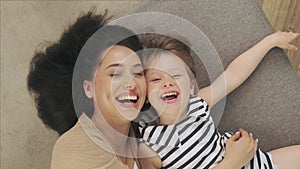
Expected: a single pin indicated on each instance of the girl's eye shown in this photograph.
(176, 76)
(155, 80)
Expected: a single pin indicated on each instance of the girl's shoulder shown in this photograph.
(197, 101)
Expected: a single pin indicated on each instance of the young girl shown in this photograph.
(184, 135)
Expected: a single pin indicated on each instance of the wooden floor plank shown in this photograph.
(284, 15)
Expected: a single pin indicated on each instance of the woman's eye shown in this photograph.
(139, 74)
(115, 75)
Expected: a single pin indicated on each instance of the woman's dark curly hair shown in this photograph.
(51, 71)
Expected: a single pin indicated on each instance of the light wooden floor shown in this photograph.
(284, 15)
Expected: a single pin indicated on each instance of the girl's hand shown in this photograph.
(240, 148)
(283, 39)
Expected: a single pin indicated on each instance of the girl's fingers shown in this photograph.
(296, 34)
(255, 144)
(244, 133)
(251, 137)
(235, 137)
(290, 35)
(292, 47)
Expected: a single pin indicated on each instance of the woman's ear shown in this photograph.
(88, 89)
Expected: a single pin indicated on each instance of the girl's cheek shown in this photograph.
(181, 82)
(149, 89)
(153, 90)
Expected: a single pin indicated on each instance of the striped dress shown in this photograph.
(193, 142)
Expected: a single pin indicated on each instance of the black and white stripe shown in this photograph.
(194, 142)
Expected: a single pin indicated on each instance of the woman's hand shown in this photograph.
(240, 148)
(283, 39)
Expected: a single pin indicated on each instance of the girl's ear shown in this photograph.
(192, 88)
(147, 100)
(88, 89)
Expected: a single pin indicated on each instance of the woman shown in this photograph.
(115, 66)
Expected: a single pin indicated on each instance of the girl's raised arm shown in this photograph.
(241, 68)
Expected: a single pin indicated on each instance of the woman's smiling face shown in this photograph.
(119, 85)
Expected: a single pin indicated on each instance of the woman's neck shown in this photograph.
(116, 132)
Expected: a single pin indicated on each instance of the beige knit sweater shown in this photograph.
(76, 150)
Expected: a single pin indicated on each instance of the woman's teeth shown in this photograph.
(127, 99)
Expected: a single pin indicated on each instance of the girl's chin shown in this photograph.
(170, 101)
(170, 113)
(169, 119)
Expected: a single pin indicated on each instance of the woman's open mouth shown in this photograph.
(128, 100)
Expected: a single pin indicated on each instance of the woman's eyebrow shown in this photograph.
(121, 65)
(114, 65)
(138, 65)
(150, 74)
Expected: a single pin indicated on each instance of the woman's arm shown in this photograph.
(148, 158)
(241, 68)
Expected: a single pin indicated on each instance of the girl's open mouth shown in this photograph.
(170, 97)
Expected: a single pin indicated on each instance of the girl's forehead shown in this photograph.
(164, 62)
(159, 72)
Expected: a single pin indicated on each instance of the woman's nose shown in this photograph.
(131, 85)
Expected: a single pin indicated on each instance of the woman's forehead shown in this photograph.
(119, 56)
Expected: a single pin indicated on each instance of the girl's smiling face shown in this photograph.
(169, 86)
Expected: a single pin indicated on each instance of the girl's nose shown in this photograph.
(167, 84)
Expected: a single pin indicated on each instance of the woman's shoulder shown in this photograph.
(72, 138)
(74, 149)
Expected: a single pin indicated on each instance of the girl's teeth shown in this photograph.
(169, 94)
